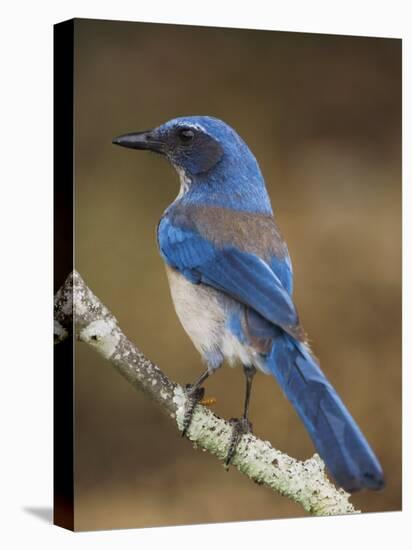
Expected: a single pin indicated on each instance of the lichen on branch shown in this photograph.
(78, 310)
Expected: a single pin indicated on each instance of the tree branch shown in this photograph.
(78, 310)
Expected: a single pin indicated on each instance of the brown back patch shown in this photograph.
(253, 233)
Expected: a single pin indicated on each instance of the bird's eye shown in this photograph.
(186, 135)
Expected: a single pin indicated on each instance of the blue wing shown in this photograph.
(242, 275)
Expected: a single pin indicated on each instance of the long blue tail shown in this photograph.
(335, 434)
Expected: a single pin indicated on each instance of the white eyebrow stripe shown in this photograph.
(193, 125)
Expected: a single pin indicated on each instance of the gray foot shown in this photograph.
(194, 394)
(241, 426)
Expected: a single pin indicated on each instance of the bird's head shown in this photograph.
(203, 149)
(194, 144)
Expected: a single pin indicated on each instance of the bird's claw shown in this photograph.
(241, 426)
(194, 395)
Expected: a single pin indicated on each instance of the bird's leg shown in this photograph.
(242, 425)
(195, 393)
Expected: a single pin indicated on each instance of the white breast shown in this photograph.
(199, 310)
(203, 312)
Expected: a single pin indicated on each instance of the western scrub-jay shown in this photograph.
(230, 278)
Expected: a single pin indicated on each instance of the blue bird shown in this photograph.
(231, 282)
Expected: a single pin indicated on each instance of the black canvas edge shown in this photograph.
(63, 381)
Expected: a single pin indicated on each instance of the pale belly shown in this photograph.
(203, 312)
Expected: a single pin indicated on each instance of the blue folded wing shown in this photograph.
(242, 275)
(252, 281)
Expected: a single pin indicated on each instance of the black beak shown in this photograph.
(140, 140)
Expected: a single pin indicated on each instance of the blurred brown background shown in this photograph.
(323, 116)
